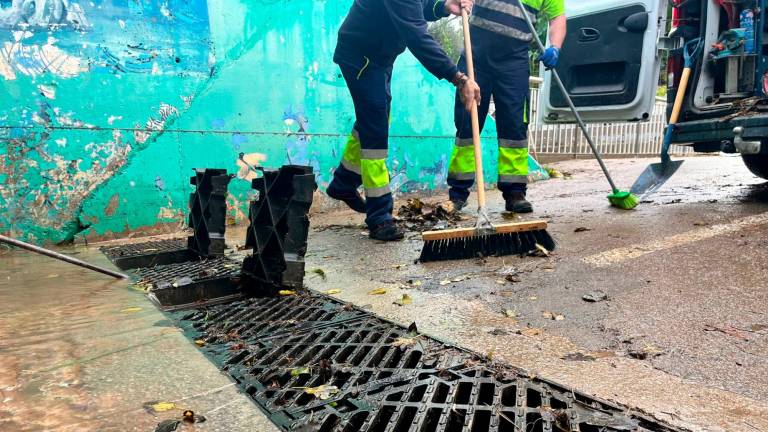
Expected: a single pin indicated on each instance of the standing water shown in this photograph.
(81, 351)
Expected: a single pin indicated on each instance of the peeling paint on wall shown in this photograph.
(123, 98)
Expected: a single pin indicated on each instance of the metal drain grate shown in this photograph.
(177, 286)
(381, 376)
(148, 254)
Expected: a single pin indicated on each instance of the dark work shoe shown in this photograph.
(516, 203)
(352, 199)
(458, 205)
(386, 231)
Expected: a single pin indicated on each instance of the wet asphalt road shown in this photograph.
(683, 333)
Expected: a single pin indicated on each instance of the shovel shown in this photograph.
(655, 175)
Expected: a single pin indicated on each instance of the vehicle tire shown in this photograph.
(758, 164)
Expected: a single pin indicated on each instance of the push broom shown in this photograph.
(618, 198)
(484, 239)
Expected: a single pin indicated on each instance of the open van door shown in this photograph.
(609, 62)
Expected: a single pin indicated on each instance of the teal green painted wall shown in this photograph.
(110, 144)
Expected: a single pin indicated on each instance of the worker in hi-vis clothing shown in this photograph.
(501, 40)
(371, 37)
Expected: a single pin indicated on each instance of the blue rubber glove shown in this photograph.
(550, 57)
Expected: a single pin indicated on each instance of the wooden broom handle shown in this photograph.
(479, 178)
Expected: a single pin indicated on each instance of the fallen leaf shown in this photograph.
(460, 278)
(510, 313)
(333, 291)
(489, 356)
(322, 392)
(300, 371)
(530, 331)
(378, 291)
(404, 341)
(594, 296)
(553, 316)
(512, 278)
(497, 332)
(200, 342)
(163, 406)
(52, 276)
(653, 350)
(533, 298)
(541, 250)
(582, 229)
(412, 329)
(577, 356)
(416, 283)
(320, 272)
(759, 327)
(553, 172)
(167, 426)
(132, 309)
(445, 282)
(188, 416)
(507, 294)
(500, 281)
(404, 300)
(286, 292)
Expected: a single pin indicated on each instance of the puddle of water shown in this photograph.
(82, 351)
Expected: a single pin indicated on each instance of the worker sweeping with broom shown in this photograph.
(373, 34)
(501, 39)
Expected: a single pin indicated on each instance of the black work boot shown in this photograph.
(386, 231)
(458, 204)
(352, 199)
(516, 203)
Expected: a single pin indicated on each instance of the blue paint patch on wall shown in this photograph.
(115, 36)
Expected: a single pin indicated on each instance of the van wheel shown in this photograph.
(758, 164)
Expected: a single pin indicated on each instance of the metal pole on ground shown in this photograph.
(61, 257)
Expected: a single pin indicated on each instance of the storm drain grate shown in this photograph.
(148, 254)
(175, 286)
(378, 376)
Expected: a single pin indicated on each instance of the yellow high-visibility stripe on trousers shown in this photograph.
(374, 172)
(462, 166)
(513, 161)
(351, 157)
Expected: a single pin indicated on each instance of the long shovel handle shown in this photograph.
(61, 257)
(479, 178)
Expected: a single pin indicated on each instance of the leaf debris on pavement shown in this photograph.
(132, 309)
(404, 300)
(320, 272)
(553, 316)
(332, 291)
(378, 291)
(321, 392)
(287, 292)
(594, 296)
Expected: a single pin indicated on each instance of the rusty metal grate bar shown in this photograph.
(384, 377)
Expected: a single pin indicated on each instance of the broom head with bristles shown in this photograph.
(464, 243)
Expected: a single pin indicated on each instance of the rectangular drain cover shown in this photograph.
(369, 374)
(183, 285)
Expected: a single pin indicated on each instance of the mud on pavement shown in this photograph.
(680, 323)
